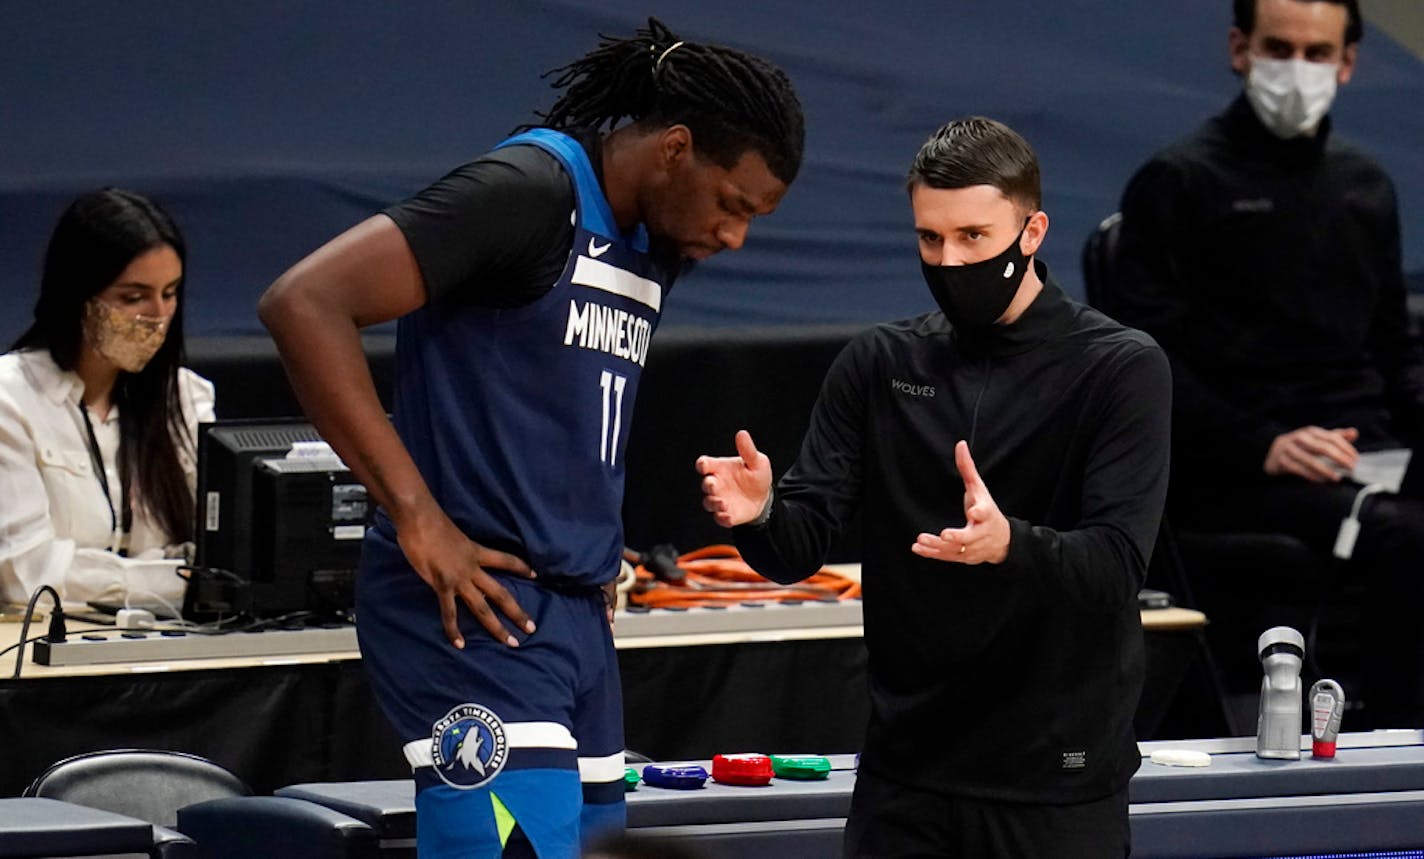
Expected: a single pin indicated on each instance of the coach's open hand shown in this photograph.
(985, 535)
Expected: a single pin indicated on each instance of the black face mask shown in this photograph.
(975, 295)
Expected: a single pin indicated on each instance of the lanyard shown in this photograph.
(97, 457)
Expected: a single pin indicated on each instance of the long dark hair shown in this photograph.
(95, 240)
(732, 101)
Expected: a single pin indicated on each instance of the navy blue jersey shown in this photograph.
(518, 418)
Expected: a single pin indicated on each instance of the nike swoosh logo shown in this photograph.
(595, 251)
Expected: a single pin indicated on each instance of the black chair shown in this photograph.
(1099, 264)
(149, 785)
(387, 806)
(1231, 576)
(275, 827)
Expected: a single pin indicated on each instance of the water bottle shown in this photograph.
(1278, 726)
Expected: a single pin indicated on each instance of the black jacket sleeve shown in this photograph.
(1101, 563)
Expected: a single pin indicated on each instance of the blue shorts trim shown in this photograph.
(546, 804)
(603, 793)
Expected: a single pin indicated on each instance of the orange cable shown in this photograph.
(717, 575)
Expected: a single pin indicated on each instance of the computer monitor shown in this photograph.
(285, 530)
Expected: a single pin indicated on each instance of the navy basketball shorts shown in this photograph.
(502, 741)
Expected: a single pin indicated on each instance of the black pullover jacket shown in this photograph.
(1269, 271)
(1016, 681)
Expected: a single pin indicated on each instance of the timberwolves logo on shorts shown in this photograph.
(468, 746)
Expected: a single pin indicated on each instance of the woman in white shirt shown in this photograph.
(97, 419)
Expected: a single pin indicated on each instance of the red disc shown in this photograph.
(743, 769)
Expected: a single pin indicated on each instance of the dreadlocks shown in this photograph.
(731, 101)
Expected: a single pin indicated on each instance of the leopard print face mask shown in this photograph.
(128, 341)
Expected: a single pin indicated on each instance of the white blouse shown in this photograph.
(56, 525)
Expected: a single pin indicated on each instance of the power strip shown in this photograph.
(96, 648)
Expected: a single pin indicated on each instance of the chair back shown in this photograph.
(1100, 264)
(147, 784)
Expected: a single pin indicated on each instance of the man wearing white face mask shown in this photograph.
(1263, 254)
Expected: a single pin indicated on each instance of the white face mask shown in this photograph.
(1290, 97)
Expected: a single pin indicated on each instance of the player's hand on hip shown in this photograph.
(984, 539)
(455, 568)
(736, 488)
(1315, 454)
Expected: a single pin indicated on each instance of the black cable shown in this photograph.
(661, 561)
(279, 620)
(252, 624)
(56, 633)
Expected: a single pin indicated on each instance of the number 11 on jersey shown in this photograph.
(612, 385)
